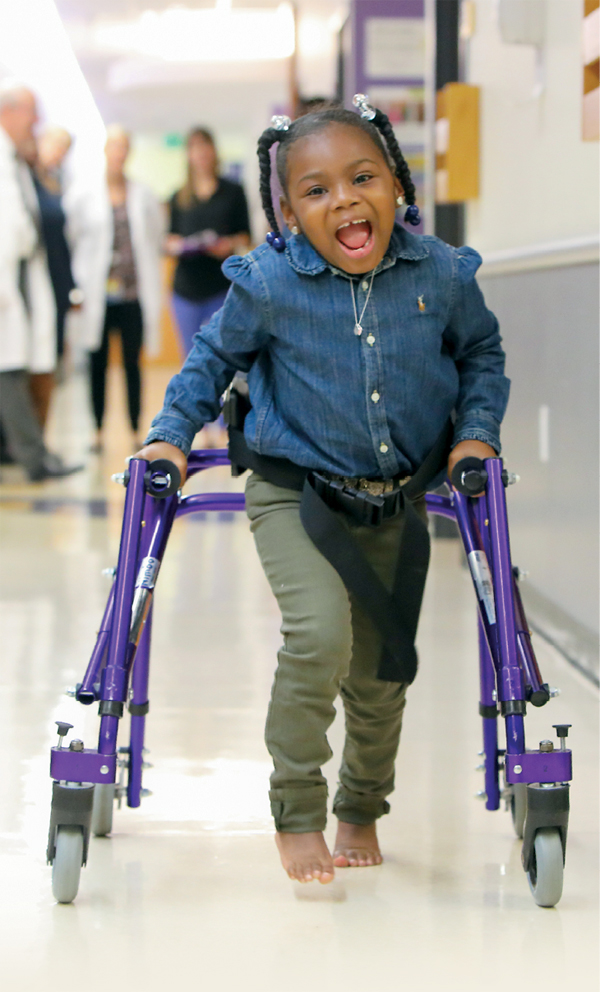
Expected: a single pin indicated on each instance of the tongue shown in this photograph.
(355, 235)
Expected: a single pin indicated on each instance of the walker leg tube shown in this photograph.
(86, 693)
(538, 691)
(138, 706)
(489, 715)
(511, 687)
(474, 545)
(114, 675)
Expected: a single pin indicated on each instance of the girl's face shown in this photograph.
(342, 196)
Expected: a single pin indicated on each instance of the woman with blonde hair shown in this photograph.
(208, 223)
(118, 234)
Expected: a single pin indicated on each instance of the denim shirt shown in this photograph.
(370, 405)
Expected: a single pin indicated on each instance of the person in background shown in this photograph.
(208, 222)
(52, 148)
(44, 158)
(27, 317)
(117, 234)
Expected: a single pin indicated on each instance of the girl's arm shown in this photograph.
(473, 339)
(228, 343)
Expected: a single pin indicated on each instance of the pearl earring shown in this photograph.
(295, 230)
(400, 200)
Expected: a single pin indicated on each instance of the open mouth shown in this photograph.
(355, 237)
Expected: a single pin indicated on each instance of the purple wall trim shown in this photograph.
(362, 10)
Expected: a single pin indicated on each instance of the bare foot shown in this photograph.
(356, 846)
(305, 856)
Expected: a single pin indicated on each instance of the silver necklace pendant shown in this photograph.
(357, 319)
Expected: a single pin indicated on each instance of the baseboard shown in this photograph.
(576, 642)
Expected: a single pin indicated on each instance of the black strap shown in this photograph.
(278, 471)
(395, 614)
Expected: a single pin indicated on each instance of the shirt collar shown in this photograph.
(306, 260)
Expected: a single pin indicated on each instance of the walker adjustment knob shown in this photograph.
(562, 729)
(62, 730)
(562, 732)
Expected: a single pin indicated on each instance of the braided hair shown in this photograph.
(289, 132)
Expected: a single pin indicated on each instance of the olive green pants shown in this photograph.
(330, 647)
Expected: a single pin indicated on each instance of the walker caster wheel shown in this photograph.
(66, 867)
(518, 806)
(546, 872)
(102, 809)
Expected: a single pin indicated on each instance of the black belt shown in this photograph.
(395, 614)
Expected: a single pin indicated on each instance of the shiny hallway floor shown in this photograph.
(188, 892)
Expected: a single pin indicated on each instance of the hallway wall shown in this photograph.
(549, 321)
(536, 225)
(539, 179)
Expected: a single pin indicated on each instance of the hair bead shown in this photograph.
(412, 215)
(361, 101)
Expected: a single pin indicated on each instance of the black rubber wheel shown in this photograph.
(546, 872)
(102, 810)
(518, 807)
(66, 867)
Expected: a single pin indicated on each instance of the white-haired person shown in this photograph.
(27, 311)
(117, 233)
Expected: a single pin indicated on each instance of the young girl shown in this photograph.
(359, 340)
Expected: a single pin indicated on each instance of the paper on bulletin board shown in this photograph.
(394, 47)
(405, 107)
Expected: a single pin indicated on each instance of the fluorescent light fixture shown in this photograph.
(34, 48)
(219, 34)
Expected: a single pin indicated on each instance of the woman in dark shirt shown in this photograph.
(208, 222)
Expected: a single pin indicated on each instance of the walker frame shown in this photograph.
(86, 781)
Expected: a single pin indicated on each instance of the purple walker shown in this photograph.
(86, 781)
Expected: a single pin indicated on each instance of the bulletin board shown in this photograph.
(388, 53)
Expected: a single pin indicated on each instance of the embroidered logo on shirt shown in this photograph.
(421, 303)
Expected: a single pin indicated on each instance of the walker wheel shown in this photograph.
(546, 872)
(102, 810)
(518, 806)
(66, 867)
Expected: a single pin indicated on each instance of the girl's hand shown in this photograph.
(469, 449)
(162, 449)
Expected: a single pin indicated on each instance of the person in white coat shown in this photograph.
(117, 236)
(27, 314)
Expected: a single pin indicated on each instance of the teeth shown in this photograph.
(351, 222)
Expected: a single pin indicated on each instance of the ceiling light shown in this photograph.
(219, 34)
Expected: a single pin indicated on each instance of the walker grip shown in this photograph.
(469, 476)
(162, 478)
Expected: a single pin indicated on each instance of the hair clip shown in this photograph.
(412, 215)
(276, 241)
(280, 122)
(361, 101)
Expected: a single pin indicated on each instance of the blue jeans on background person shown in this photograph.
(191, 315)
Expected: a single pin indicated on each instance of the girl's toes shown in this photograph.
(341, 861)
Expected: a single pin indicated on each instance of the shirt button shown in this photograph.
(364, 285)
(371, 340)
(375, 397)
(383, 447)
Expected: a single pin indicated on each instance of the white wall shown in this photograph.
(539, 180)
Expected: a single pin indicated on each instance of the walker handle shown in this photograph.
(469, 476)
(162, 478)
